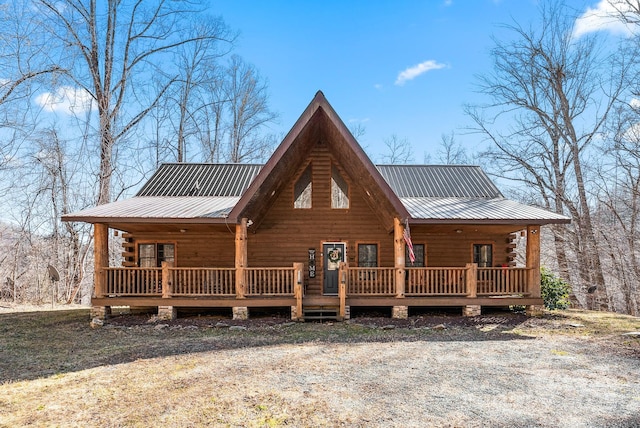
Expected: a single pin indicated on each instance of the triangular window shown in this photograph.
(339, 190)
(302, 190)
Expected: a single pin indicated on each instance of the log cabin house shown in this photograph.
(319, 229)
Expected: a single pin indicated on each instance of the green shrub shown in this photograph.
(555, 291)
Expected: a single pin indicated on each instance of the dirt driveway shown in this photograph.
(556, 371)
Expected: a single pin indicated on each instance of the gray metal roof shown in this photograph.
(206, 192)
(141, 208)
(197, 179)
(439, 181)
(494, 210)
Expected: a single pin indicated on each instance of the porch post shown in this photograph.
(296, 311)
(100, 258)
(472, 280)
(398, 250)
(342, 290)
(241, 257)
(533, 260)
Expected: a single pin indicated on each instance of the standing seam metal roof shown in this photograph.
(439, 181)
(190, 179)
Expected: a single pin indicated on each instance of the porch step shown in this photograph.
(322, 313)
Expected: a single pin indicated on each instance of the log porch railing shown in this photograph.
(469, 281)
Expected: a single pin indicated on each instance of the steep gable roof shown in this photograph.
(319, 122)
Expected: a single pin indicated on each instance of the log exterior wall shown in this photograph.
(285, 234)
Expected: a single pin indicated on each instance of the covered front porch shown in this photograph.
(243, 287)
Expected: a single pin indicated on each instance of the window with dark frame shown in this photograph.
(418, 251)
(483, 255)
(152, 255)
(367, 255)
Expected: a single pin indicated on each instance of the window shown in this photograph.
(367, 255)
(339, 190)
(152, 255)
(483, 255)
(302, 190)
(418, 251)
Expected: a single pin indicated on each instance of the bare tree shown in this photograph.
(399, 151)
(114, 48)
(451, 152)
(557, 93)
(246, 98)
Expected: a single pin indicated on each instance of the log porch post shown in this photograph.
(297, 290)
(472, 280)
(342, 290)
(398, 252)
(100, 258)
(241, 257)
(533, 260)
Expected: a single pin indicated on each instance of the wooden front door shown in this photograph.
(332, 254)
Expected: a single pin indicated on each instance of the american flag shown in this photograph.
(407, 238)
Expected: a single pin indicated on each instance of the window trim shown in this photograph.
(376, 243)
(156, 243)
(424, 254)
(493, 250)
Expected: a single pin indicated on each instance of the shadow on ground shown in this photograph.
(41, 344)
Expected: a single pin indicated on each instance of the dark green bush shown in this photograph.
(555, 291)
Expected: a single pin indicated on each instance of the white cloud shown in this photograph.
(65, 99)
(415, 71)
(378, 86)
(601, 18)
(635, 103)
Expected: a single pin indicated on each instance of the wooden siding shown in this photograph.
(211, 246)
(286, 234)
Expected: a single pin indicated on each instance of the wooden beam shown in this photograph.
(342, 290)
(398, 252)
(472, 280)
(241, 257)
(100, 258)
(298, 289)
(533, 260)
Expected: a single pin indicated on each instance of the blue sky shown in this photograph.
(356, 52)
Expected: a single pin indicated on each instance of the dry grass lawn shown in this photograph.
(569, 368)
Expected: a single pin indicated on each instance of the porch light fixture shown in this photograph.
(458, 230)
(183, 230)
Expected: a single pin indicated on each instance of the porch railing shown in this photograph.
(436, 281)
(370, 281)
(269, 281)
(203, 281)
(502, 281)
(133, 281)
(468, 281)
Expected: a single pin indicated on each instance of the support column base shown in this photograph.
(240, 312)
(100, 312)
(167, 312)
(471, 310)
(400, 312)
(534, 310)
(295, 316)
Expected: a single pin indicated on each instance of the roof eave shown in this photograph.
(148, 220)
(540, 222)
